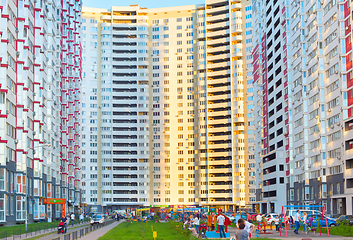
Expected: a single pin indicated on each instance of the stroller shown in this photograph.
(61, 227)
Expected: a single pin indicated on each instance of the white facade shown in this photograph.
(40, 78)
(314, 59)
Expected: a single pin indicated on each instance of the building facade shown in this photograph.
(40, 75)
(168, 105)
(303, 66)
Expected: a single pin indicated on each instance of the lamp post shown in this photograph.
(33, 149)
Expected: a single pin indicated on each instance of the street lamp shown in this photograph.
(33, 149)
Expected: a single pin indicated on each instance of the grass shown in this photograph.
(143, 231)
(7, 231)
(341, 230)
(21, 228)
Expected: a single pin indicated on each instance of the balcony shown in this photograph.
(217, 18)
(237, 38)
(217, 57)
(217, 33)
(224, 48)
(218, 138)
(218, 113)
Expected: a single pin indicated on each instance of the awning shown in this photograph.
(264, 201)
(341, 195)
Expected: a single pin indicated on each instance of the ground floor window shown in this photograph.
(20, 208)
(36, 209)
(2, 207)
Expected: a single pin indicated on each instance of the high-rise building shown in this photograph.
(302, 76)
(40, 75)
(168, 106)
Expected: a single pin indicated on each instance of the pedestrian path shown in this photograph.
(100, 232)
(91, 235)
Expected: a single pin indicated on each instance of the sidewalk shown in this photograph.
(96, 233)
(100, 232)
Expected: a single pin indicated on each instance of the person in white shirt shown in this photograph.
(296, 220)
(220, 222)
(72, 219)
(81, 218)
(276, 220)
(196, 223)
(249, 227)
(258, 220)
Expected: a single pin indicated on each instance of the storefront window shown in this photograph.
(36, 209)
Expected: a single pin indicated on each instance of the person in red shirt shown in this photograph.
(248, 217)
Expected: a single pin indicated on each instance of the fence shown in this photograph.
(82, 231)
(32, 230)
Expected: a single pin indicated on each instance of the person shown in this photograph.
(64, 220)
(196, 223)
(276, 220)
(248, 217)
(220, 222)
(296, 220)
(305, 228)
(242, 234)
(81, 218)
(72, 219)
(186, 223)
(258, 220)
(249, 227)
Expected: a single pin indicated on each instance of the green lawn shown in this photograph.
(20, 228)
(143, 231)
(7, 231)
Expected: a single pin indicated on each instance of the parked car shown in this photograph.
(97, 219)
(346, 217)
(317, 221)
(292, 212)
(333, 216)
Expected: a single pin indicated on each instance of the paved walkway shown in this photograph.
(90, 236)
(100, 232)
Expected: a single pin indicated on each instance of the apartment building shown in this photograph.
(165, 106)
(303, 75)
(40, 75)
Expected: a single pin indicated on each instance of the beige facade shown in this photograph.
(177, 108)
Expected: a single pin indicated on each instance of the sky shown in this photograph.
(142, 3)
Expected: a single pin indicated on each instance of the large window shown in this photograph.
(20, 208)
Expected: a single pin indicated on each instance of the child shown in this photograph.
(304, 222)
(277, 223)
(241, 233)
